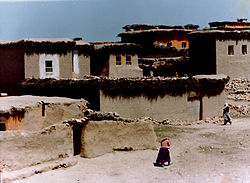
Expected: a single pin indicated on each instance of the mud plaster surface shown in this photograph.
(200, 153)
(6, 103)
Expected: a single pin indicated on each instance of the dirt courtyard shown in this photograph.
(200, 153)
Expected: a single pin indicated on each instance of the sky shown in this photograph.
(102, 20)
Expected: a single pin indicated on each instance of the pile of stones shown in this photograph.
(238, 89)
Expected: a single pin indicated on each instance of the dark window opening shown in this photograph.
(118, 60)
(128, 60)
(48, 66)
(244, 49)
(230, 50)
(184, 44)
(169, 44)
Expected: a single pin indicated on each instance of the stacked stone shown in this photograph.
(238, 89)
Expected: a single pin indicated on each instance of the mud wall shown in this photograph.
(124, 70)
(100, 137)
(213, 106)
(237, 65)
(32, 66)
(11, 69)
(43, 115)
(20, 149)
(166, 107)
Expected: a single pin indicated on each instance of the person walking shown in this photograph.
(226, 115)
(164, 154)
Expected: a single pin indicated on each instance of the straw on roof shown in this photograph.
(223, 34)
(155, 31)
(46, 45)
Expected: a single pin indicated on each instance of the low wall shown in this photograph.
(20, 149)
(36, 116)
(100, 137)
(166, 107)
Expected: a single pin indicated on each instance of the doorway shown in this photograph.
(195, 108)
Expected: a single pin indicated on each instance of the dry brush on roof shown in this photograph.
(48, 47)
(118, 48)
(148, 87)
(171, 66)
(221, 35)
(146, 26)
(156, 51)
(154, 32)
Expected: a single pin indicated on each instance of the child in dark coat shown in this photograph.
(164, 154)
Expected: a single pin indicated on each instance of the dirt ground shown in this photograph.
(205, 151)
(200, 153)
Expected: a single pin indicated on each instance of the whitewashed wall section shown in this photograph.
(75, 62)
(55, 65)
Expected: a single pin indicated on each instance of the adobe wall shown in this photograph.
(167, 107)
(32, 66)
(100, 137)
(11, 69)
(175, 39)
(20, 149)
(118, 71)
(213, 106)
(84, 66)
(237, 65)
(65, 65)
(31, 117)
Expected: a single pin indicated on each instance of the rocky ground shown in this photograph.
(201, 151)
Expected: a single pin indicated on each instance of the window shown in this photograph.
(244, 49)
(48, 66)
(230, 50)
(128, 60)
(184, 45)
(118, 60)
(169, 44)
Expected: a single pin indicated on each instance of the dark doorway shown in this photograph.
(2, 127)
(77, 133)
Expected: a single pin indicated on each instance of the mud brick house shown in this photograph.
(241, 24)
(159, 42)
(183, 98)
(223, 49)
(158, 35)
(42, 58)
(115, 59)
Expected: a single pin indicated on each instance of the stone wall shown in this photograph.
(100, 137)
(20, 149)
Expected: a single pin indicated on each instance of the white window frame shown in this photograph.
(55, 66)
(75, 63)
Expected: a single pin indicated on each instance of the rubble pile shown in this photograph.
(97, 116)
(238, 89)
(241, 109)
(177, 122)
